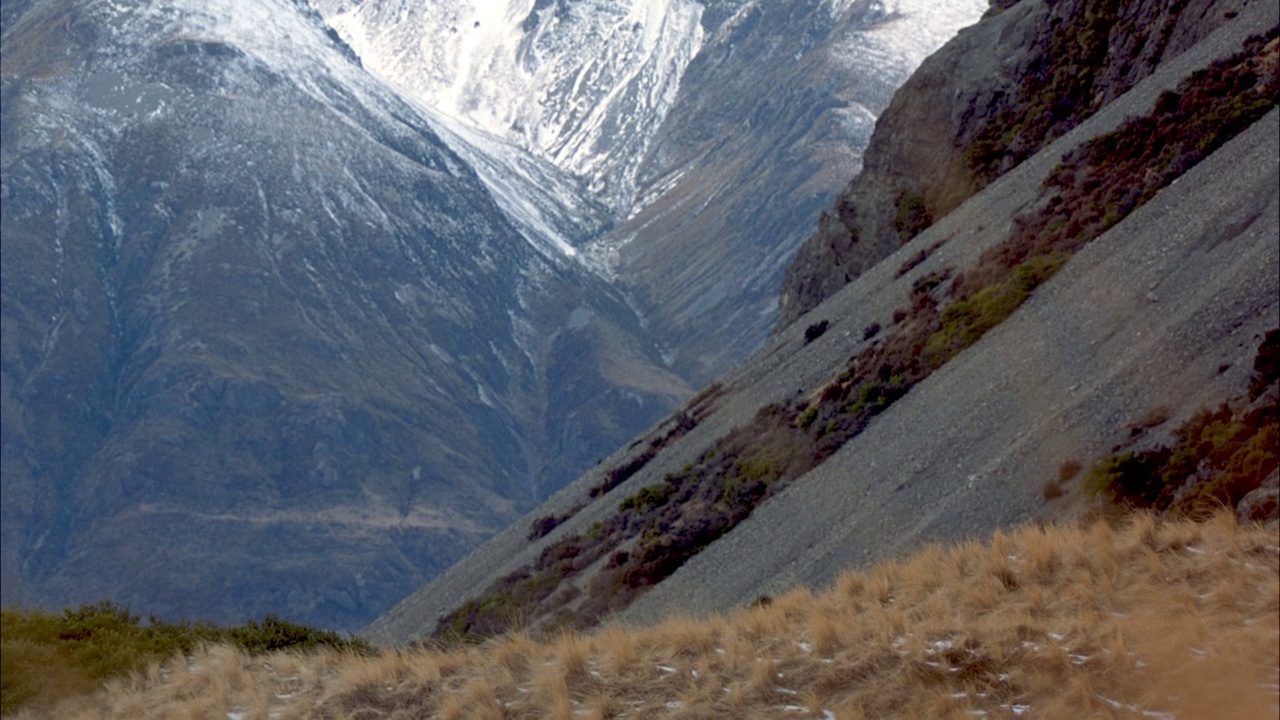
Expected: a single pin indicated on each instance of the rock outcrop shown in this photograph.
(1000, 91)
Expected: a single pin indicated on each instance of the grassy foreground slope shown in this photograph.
(1148, 619)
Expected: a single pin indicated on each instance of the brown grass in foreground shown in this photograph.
(1152, 620)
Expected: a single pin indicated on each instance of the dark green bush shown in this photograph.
(912, 215)
(815, 331)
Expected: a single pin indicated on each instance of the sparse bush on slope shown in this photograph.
(1218, 458)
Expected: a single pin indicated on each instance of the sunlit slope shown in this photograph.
(1146, 620)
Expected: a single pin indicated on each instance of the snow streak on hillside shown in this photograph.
(910, 31)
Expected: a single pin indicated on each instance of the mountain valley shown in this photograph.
(1126, 271)
(281, 336)
(576, 354)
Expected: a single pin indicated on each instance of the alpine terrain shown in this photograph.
(269, 344)
(1051, 292)
(302, 301)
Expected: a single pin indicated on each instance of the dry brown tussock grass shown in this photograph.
(1150, 620)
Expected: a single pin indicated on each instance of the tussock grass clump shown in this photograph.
(1146, 619)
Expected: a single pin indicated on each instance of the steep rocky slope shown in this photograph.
(1001, 91)
(1162, 310)
(269, 344)
(278, 338)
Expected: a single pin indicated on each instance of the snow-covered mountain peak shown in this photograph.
(280, 33)
(582, 83)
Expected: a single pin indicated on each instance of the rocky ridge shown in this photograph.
(968, 115)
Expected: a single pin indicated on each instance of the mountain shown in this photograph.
(711, 133)
(270, 345)
(1106, 282)
(302, 300)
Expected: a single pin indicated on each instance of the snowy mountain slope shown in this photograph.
(584, 83)
(1164, 310)
(713, 133)
(269, 344)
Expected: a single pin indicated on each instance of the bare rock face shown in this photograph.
(1163, 310)
(968, 116)
(1262, 504)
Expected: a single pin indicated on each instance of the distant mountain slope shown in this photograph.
(1162, 310)
(269, 344)
(713, 132)
(771, 119)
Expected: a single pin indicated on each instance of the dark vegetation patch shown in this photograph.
(815, 331)
(911, 216)
(658, 528)
(49, 656)
(1218, 456)
(693, 412)
(686, 419)
(1071, 77)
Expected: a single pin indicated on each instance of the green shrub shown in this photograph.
(1219, 456)
(912, 215)
(815, 331)
(47, 656)
(1133, 479)
(649, 497)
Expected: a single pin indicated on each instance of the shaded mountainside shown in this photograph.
(269, 345)
(1000, 92)
(1088, 300)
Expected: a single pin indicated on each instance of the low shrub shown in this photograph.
(911, 216)
(48, 656)
(1218, 457)
(815, 331)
